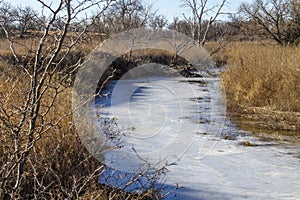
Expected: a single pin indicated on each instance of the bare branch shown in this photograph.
(199, 11)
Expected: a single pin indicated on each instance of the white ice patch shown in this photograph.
(158, 122)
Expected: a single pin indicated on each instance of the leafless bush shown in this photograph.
(41, 155)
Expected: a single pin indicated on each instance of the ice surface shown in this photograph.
(182, 122)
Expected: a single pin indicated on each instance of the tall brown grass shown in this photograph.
(260, 75)
(59, 166)
(59, 159)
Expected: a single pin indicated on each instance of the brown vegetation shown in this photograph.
(59, 166)
(262, 83)
(58, 158)
(42, 156)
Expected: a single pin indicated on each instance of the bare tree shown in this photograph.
(124, 15)
(18, 18)
(200, 10)
(294, 25)
(158, 22)
(181, 26)
(27, 19)
(8, 16)
(275, 17)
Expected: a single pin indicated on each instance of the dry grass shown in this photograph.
(59, 160)
(25, 48)
(264, 77)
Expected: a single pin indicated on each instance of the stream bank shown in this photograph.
(266, 123)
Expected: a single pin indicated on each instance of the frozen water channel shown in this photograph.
(181, 123)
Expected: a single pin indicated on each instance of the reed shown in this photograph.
(261, 75)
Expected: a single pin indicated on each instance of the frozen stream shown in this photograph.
(181, 122)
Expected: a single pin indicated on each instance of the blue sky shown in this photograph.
(172, 8)
(168, 8)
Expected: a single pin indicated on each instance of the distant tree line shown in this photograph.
(278, 20)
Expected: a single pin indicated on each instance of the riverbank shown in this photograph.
(262, 83)
(268, 124)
